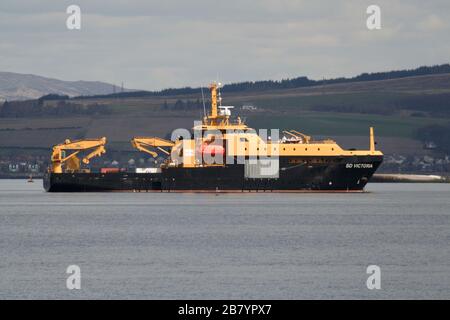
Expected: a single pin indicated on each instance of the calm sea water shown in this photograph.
(252, 246)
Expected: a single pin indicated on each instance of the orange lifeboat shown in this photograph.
(212, 150)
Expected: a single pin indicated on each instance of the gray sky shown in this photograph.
(158, 44)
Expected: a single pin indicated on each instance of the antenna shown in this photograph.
(219, 85)
(203, 99)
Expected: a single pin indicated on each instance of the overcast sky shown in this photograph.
(158, 44)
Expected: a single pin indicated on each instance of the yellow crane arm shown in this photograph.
(144, 143)
(70, 156)
(291, 134)
(71, 161)
(304, 136)
(96, 153)
(81, 144)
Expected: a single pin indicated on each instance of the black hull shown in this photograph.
(332, 174)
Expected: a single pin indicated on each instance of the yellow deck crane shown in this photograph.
(306, 138)
(72, 162)
(144, 143)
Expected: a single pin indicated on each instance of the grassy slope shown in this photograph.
(332, 124)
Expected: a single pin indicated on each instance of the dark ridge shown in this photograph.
(298, 82)
(53, 96)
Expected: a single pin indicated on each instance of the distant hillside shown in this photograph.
(299, 82)
(15, 86)
(405, 108)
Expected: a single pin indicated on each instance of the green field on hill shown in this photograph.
(332, 124)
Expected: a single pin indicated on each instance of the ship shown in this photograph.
(220, 154)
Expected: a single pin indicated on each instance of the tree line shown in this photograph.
(39, 108)
(187, 105)
(286, 83)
